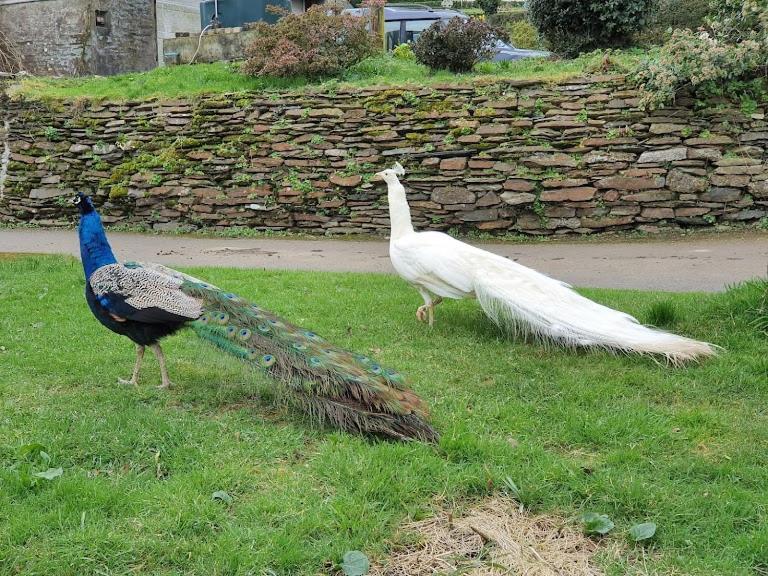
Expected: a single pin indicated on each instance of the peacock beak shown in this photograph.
(377, 177)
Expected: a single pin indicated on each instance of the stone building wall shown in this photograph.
(72, 37)
(578, 157)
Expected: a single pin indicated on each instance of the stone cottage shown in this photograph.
(77, 37)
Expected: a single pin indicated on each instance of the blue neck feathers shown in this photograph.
(95, 251)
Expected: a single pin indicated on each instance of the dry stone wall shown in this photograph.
(577, 157)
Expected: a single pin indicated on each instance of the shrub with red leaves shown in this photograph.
(319, 42)
(456, 46)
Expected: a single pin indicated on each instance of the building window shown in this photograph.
(101, 17)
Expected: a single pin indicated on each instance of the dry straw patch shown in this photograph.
(493, 538)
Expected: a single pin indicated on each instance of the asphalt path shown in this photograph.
(687, 263)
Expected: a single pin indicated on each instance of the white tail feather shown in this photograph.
(525, 302)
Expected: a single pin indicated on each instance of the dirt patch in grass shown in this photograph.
(493, 538)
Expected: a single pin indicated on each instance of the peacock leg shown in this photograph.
(426, 312)
(163, 370)
(134, 381)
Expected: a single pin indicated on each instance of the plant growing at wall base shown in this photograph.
(319, 42)
(456, 45)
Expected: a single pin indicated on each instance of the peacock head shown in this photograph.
(83, 202)
(390, 174)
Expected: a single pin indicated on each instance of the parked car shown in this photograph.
(404, 24)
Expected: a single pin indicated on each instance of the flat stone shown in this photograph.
(551, 160)
(759, 189)
(730, 180)
(44, 193)
(490, 199)
(519, 185)
(718, 140)
(492, 129)
(494, 225)
(740, 170)
(23, 158)
(651, 196)
(625, 183)
(661, 156)
(479, 215)
(101, 149)
(452, 195)
(335, 152)
(565, 182)
(481, 164)
(660, 213)
(600, 157)
(692, 211)
(716, 194)
(666, 128)
(680, 181)
(515, 198)
(578, 194)
(606, 222)
(711, 154)
(751, 214)
(346, 181)
(742, 161)
(79, 148)
(199, 155)
(453, 164)
(322, 112)
(753, 136)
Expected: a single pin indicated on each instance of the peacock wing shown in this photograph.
(334, 385)
(142, 295)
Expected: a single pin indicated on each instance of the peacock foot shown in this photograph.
(132, 382)
(166, 385)
(426, 313)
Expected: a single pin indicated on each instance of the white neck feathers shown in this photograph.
(399, 212)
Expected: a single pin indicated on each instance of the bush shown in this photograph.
(737, 20)
(673, 14)
(489, 6)
(574, 26)
(507, 17)
(403, 52)
(523, 34)
(708, 65)
(319, 42)
(456, 46)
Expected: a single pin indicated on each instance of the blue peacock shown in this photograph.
(147, 302)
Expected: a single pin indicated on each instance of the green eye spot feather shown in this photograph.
(244, 334)
(268, 360)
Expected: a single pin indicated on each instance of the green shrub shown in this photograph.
(457, 45)
(737, 20)
(572, 26)
(707, 65)
(503, 19)
(523, 34)
(403, 52)
(489, 6)
(319, 42)
(673, 14)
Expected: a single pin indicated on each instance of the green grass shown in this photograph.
(180, 81)
(625, 436)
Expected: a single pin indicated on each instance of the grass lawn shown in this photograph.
(684, 448)
(179, 81)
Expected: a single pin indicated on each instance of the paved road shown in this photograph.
(704, 263)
